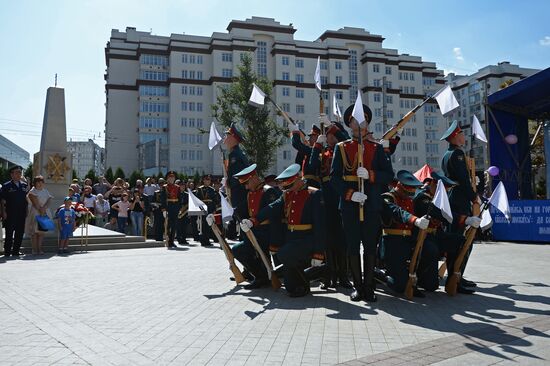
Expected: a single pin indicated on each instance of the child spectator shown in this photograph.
(67, 224)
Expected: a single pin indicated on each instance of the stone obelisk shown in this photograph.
(53, 161)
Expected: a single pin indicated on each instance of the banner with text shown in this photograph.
(530, 222)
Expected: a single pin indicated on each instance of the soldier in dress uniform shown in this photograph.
(259, 196)
(461, 196)
(13, 208)
(302, 209)
(376, 173)
(236, 162)
(304, 151)
(446, 242)
(208, 196)
(399, 237)
(158, 217)
(183, 218)
(171, 204)
(319, 162)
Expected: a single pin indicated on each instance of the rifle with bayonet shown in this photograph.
(401, 123)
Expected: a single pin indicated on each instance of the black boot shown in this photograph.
(355, 267)
(343, 279)
(368, 282)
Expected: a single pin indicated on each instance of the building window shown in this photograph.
(339, 95)
(338, 65)
(227, 73)
(375, 68)
(286, 155)
(199, 90)
(377, 97)
(199, 59)
(299, 78)
(191, 154)
(376, 82)
(286, 76)
(184, 74)
(352, 65)
(406, 76)
(299, 63)
(324, 80)
(184, 138)
(389, 113)
(324, 65)
(388, 70)
(286, 107)
(153, 122)
(183, 122)
(411, 76)
(199, 139)
(286, 91)
(191, 74)
(191, 122)
(184, 58)
(184, 89)
(199, 107)
(157, 60)
(154, 91)
(154, 75)
(339, 80)
(199, 122)
(430, 108)
(227, 57)
(299, 93)
(184, 106)
(400, 75)
(300, 109)
(191, 106)
(378, 112)
(389, 99)
(199, 155)
(199, 75)
(191, 90)
(183, 154)
(261, 58)
(285, 60)
(154, 107)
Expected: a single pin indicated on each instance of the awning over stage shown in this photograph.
(508, 112)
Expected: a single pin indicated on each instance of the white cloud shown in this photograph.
(458, 54)
(545, 41)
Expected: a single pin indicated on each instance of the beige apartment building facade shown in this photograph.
(160, 89)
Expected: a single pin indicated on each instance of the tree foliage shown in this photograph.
(262, 136)
(119, 173)
(109, 175)
(91, 175)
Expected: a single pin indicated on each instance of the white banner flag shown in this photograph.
(441, 201)
(318, 74)
(358, 112)
(257, 97)
(499, 199)
(214, 138)
(477, 130)
(336, 108)
(446, 99)
(195, 205)
(227, 210)
(486, 220)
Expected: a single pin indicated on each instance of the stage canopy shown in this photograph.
(508, 112)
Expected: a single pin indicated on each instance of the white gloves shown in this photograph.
(272, 253)
(246, 225)
(385, 143)
(164, 214)
(473, 221)
(210, 219)
(324, 119)
(223, 182)
(321, 139)
(316, 262)
(358, 197)
(422, 223)
(362, 173)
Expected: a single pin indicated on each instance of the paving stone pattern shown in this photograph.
(160, 307)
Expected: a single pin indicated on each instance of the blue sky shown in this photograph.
(41, 38)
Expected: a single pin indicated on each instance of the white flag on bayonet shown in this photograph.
(196, 206)
(486, 220)
(227, 210)
(214, 138)
(257, 97)
(358, 112)
(318, 74)
(441, 201)
(499, 199)
(336, 108)
(446, 100)
(477, 130)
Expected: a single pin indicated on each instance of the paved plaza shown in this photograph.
(159, 307)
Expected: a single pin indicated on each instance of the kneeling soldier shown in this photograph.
(258, 196)
(398, 239)
(303, 210)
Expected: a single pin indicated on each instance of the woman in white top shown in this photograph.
(39, 199)
(102, 209)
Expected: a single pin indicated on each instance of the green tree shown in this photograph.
(91, 175)
(197, 178)
(136, 174)
(29, 172)
(119, 173)
(75, 176)
(262, 136)
(109, 175)
(4, 175)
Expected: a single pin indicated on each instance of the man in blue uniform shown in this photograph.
(13, 207)
(462, 195)
(302, 209)
(320, 161)
(259, 196)
(446, 242)
(376, 173)
(303, 153)
(399, 237)
(236, 162)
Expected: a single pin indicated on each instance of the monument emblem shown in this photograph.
(56, 167)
